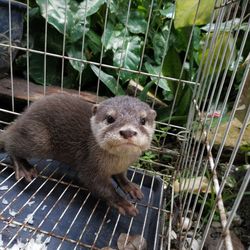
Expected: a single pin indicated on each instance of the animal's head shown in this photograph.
(123, 125)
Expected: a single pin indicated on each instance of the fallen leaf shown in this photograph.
(187, 184)
(134, 242)
(195, 244)
(185, 223)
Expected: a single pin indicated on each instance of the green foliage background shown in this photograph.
(133, 38)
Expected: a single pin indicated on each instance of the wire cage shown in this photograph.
(53, 210)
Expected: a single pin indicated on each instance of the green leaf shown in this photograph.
(180, 38)
(234, 24)
(56, 11)
(155, 70)
(143, 94)
(168, 95)
(169, 10)
(76, 28)
(184, 103)
(196, 38)
(112, 6)
(126, 49)
(159, 43)
(172, 67)
(108, 80)
(223, 42)
(113, 36)
(186, 10)
(92, 7)
(136, 22)
(94, 41)
(128, 55)
(53, 68)
(76, 52)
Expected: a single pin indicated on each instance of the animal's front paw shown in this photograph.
(28, 174)
(134, 190)
(126, 208)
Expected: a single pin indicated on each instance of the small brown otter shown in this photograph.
(99, 141)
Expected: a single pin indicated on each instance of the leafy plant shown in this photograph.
(131, 39)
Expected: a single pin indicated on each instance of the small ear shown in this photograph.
(153, 113)
(94, 109)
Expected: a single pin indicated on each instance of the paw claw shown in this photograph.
(133, 190)
(29, 175)
(124, 207)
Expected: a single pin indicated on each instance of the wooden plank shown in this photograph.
(36, 91)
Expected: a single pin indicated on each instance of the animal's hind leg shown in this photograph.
(23, 169)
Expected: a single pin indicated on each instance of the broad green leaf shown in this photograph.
(128, 55)
(126, 49)
(58, 13)
(169, 10)
(180, 38)
(54, 40)
(108, 80)
(143, 94)
(159, 44)
(113, 36)
(168, 95)
(52, 69)
(112, 6)
(226, 26)
(184, 102)
(76, 28)
(55, 11)
(185, 12)
(76, 52)
(196, 38)
(94, 41)
(223, 42)
(155, 70)
(136, 22)
(74, 6)
(172, 67)
(89, 8)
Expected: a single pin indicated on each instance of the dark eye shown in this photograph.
(143, 121)
(110, 119)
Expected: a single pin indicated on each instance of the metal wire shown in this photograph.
(52, 233)
(45, 49)
(11, 59)
(198, 146)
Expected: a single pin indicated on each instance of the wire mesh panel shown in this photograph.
(189, 61)
(58, 210)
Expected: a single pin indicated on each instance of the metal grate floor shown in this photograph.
(67, 215)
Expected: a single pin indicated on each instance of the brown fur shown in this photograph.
(58, 127)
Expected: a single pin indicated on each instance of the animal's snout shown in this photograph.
(126, 134)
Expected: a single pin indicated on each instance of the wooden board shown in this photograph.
(37, 91)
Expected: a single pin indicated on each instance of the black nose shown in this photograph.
(127, 133)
